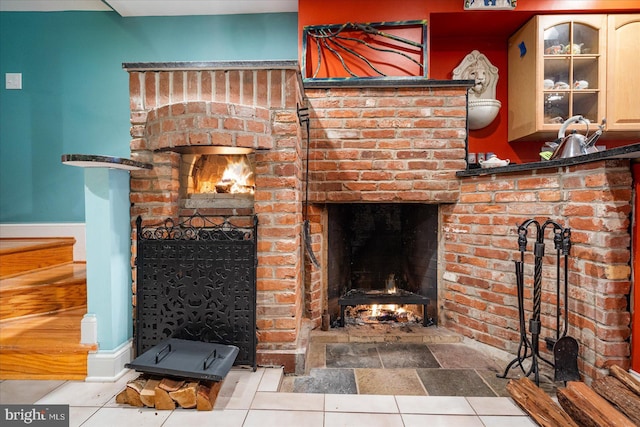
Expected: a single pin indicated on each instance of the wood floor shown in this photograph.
(43, 297)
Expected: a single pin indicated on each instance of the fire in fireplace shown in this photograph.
(213, 173)
(217, 177)
(382, 262)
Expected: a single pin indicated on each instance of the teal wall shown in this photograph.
(75, 96)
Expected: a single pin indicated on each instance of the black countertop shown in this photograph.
(626, 152)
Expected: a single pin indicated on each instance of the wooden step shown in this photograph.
(18, 255)
(43, 291)
(44, 347)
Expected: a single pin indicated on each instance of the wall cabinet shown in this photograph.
(565, 65)
(623, 69)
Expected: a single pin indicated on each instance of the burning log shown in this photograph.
(224, 187)
(167, 394)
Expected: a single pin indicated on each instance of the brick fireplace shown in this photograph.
(388, 144)
(405, 148)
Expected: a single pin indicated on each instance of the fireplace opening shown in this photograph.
(382, 263)
(217, 179)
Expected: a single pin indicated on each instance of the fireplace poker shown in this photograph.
(535, 325)
(524, 345)
(303, 117)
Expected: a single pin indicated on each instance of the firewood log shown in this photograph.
(134, 388)
(539, 405)
(148, 393)
(167, 384)
(163, 400)
(617, 393)
(122, 398)
(588, 408)
(207, 395)
(626, 378)
(186, 395)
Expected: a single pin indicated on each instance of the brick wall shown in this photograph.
(479, 232)
(251, 105)
(387, 144)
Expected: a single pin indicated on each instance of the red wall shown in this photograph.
(453, 33)
(635, 262)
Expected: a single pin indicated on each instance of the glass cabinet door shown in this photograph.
(571, 63)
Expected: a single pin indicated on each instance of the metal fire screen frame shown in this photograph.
(197, 282)
(363, 45)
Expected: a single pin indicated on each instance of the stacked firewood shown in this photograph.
(168, 393)
(610, 401)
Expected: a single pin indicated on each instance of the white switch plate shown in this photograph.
(13, 80)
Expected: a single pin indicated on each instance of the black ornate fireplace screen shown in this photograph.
(197, 282)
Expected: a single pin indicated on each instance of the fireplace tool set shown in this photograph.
(564, 347)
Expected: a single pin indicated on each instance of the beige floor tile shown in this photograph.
(498, 421)
(218, 418)
(360, 403)
(79, 414)
(240, 385)
(78, 393)
(413, 420)
(266, 418)
(494, 406)
(437, 405)
(288, 401)
(350, 419)
(271, 379)
(138, 417)
(26, 391)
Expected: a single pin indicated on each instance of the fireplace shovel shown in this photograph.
(565, 353)
(565, 349)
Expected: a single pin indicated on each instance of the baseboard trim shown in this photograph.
(108, 365)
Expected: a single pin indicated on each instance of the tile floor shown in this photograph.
(437, 381)
(252, 399)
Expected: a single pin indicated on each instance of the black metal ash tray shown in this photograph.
(187, 359)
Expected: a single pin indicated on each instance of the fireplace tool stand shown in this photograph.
(564, 347)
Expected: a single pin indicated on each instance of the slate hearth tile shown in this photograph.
(335, 381)
(389, 381)
(462, 356)
(406, 355)
(352, 355)
(499, 385)
(454, 382)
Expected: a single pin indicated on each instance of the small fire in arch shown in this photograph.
(232, 174)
